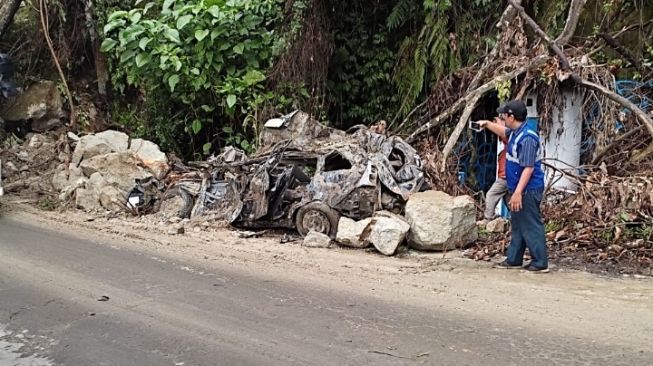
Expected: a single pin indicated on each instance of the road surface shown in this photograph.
(66, 300)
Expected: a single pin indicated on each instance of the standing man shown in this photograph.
(525, 181)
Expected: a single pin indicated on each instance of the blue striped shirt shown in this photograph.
(527, 151)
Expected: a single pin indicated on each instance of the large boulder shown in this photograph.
(439, 221)
(350, 232)
(99, 144)
(151, 156)
(41, 102)
(386, 232)
(118, 169)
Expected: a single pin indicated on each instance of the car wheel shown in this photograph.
(318, 217)
(177, 202)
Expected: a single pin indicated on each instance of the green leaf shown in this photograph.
(173, 80)
(253, 77)
(115, 15)
(142, 59)
(147, 7)
(200, 34)
(108, 44)
(231, 100)
(113, 25)
(172, 35)
(214, 10)
(207, 148)
(196, 126)
(165, 9)
(136, 17)
(142, 44)
(227, 129)
(127, 55)
(207, 108)
(183, 20)
(239, 48)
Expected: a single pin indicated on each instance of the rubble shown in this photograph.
(497, 225)
(98, 144)
(440, 222)
(316, 240)
(386, 232)
(119, 169)
(350, 232)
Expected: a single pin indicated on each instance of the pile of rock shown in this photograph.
(433, 221)
(103, 168)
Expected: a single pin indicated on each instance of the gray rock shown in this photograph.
(350, 231)
(119, 169)
(386, 232)
(23, 155)
(86, 200)
(151, 156)
(111, 198)
(8, 169)
(73, 137)
(98, 144)
(96, 182)
(316, 240)
(62, 179)
(40, 101)
(69, 190)
(497, 225)
(439, 221)
(36, 141)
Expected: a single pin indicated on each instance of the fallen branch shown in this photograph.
(481, 91)
(472, 98)
(564, 64)
(436, 120)
(506, 17)
(616, 143)
(612, 42)
(460, 126)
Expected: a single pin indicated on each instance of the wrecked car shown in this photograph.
(305, 176)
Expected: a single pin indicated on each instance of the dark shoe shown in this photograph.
(506, 265)
(534, 269)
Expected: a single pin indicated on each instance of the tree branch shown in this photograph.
(564, 64)
(575, 9)
(612, 42)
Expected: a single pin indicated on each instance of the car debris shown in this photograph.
(305, 176)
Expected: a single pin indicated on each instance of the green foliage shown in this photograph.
(360, 88)
(429, 50)
(201, 61)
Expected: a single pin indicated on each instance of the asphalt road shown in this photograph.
(71, 301)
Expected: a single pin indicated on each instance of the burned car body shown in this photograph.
(306, 176)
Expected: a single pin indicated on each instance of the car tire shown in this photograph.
(317, 216)
(186, 205)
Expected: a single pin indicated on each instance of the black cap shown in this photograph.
(515, 107)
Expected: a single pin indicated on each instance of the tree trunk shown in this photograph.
(8, 9)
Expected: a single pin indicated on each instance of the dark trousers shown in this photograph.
(528, 232)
